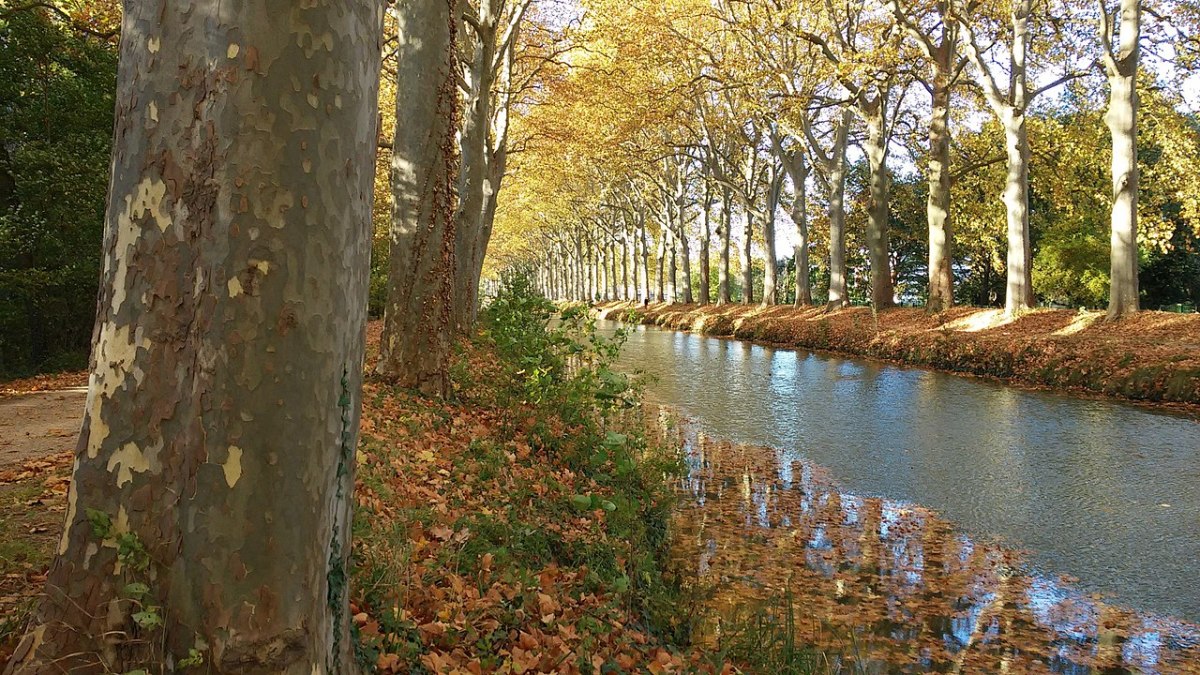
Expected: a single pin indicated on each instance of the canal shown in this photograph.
(1105, 492)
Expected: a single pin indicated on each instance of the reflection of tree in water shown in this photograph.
(892, 583)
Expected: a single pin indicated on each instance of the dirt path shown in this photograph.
(39, 424)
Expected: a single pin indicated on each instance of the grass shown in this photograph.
(32, 500)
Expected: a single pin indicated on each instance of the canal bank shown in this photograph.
(1151, 357)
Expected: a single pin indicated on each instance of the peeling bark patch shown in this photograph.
(115, 353)
(126, 461)
(233, 466)
(72, 509)
(147, 198)
(233, 50)
(235, 287)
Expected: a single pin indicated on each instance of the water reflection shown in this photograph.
(1105, 492)
(892, 582)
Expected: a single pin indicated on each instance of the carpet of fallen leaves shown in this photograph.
(1151, 356)
(33, 499)
(48, 382)
(440, 583)
(891, 585)
(467, 546)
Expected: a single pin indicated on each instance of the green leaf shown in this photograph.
(101, 523)
(136, 590)
(148, 619)
(615, 440)
(194, 658)
(581, 502)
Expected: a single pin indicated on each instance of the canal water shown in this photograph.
(1104, 492)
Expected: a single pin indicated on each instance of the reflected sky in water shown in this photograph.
(1102, 491)
(890, 585)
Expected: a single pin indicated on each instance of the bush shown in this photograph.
(56, 119)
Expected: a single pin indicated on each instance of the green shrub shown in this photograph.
(56, 119)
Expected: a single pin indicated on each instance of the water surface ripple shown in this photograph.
(1099, 490)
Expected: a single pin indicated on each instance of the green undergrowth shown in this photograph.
(525, 525)
(522, 526)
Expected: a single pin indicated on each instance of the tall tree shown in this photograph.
(1121, 68)
(774, 189)
(794, 163)
(831, 169)
(415, 348)
(706, 242)
(725, 234)
(493, 34)
(1011, 107)
(935, 31)
(211, 492)
(861, 55)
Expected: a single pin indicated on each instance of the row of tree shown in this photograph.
(210, 506)
(813, 112)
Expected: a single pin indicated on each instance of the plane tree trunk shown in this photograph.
(724, 232)
(417, 332)
(1122, 125)
(875, 147)
(747, 260)
(705, 244)
(797, 170)
(838, 296)
(1010, 107)
(941, 233)
(215, 467)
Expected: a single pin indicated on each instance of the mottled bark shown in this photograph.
(1018, 295)
(1122, 125)
(645, 257)
(592, 269)
(223, 403)
(797, 169)
(1010, 108)
(685, 260)
(747, 260)
(474, 177)
(705, 244)
(614, 278)
(837, 215)
(673, 269)
(725, 233)
(942, 54)
(878, 211)
(417, 334)
(941, 234)
(602, 272)
(637, 265)
(580, 273)
(770, 283)
(625, 266)
(660, 266)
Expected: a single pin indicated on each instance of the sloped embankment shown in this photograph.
(1154, 356)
